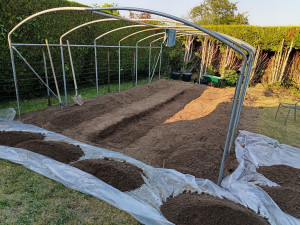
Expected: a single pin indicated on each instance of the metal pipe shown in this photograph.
(30, 67)
(117, 29)
(161, 48)
(119, 68)
(153, 72)
(46, 76)
(136, 66)
(236, 110)
(96, 68)
(74, 45)
(15, 79)
(243, 93)
(232, 117)
(63, 71)
(149, 63)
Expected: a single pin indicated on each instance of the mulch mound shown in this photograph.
(188, 208)
(287, 199)
(121, 175)
(59, 151)
(285, 176)
(287, 196)
(12, 138)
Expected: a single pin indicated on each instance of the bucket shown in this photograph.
(186, 76)
(175, 75)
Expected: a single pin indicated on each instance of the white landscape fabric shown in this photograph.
(144, 203)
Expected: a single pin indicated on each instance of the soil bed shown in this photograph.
(60, 151)
(287, 196)
(120, 175)
(143, 123)
(12, 138)
(287, 199)
(285, 176)
(197, 209)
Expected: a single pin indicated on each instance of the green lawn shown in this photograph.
(267, 124)
(29, 198)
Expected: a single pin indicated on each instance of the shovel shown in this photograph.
(77, 98)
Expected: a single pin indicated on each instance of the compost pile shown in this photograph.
(120, 175)
(287, 195)
(189, 208)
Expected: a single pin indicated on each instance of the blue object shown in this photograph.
(171, 37)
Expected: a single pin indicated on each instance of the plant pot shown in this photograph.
(175, 75)
(186, 76)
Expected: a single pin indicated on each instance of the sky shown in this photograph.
(260, 12)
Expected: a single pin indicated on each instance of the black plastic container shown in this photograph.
(186, 76)
(175, 75)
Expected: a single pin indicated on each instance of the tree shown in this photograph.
(217, 12)
(142, 15)
(112, 12)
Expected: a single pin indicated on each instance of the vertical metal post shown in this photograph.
(119, 66)
(108, 72)
(160, 61)
(15, 78)
(96, 68)
(149, 63)
(46, 77)
(240, 105)
(64, 72)
(136, 66)
(232, 116)
(133, 72)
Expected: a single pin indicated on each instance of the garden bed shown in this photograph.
(121, 175)
(133, 122)
(12, 138)
(188, 208)
(287, 195)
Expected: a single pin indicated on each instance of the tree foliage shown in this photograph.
(106, 5)
(268, 38)
(217, 12)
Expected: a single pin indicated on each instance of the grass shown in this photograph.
(29, 198)
(267, 101)
(31, 105)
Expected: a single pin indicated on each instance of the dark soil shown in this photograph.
(12, 138)
(60, 151)
(285, 176)
(120, 175)
(132, 122)
(287, 196)
(197, 209)
(288, 199)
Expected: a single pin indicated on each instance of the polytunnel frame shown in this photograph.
(234, 43)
